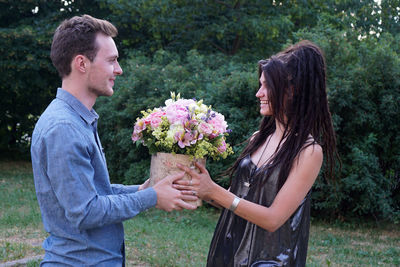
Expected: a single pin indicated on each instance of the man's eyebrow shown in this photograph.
(113, 56)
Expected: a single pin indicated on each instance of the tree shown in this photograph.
(228, 27)
(28, 79)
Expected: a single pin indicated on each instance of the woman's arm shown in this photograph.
(300, 180)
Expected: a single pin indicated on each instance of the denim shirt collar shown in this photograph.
(89, 117)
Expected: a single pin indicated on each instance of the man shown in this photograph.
(81, 210)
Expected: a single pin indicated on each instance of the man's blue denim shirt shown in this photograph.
(81, 210)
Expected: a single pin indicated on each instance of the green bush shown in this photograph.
(28, 81)
(22, 87)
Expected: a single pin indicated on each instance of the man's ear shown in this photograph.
(80, 63)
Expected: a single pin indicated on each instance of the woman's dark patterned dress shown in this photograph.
(237, 242)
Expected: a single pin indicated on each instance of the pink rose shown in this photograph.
(176, 113)
(184, 102)
(218, 123)
(205, 128)
(154, 119)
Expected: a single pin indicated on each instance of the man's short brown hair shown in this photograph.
(77, 36)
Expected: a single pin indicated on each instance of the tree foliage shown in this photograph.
(28, 79)
(364, 96)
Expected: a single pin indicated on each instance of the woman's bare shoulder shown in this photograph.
(254, 135)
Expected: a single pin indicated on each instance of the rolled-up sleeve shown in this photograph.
(71, 174)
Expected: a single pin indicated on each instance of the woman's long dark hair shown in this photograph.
(296, 85)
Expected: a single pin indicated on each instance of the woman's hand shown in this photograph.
(201, 184)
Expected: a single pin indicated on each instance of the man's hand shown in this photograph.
(144, 185)
(169, 198)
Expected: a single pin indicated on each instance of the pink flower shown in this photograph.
(136, 136)
(176, 113)
(205, 128)
(196, 136)
(140, 125)
(190, 124)
(218, 123)
(184, 102)
(222, 147)
(155, 122)
(154, 119)
(183, 139)
(187, 138)
(138, 128)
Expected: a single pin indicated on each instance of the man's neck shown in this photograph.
(80, 92)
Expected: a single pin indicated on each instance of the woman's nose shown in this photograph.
(259, 93)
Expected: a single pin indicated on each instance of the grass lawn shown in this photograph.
(157, 238)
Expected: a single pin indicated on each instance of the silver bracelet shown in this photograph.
(234, 204)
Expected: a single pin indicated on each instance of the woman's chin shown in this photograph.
(265, 112)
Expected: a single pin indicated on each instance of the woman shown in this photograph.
(267, 207)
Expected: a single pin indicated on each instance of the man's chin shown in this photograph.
(106, 93)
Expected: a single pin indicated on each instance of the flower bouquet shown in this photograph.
(186, 129)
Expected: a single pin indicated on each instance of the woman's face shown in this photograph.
(262, 95)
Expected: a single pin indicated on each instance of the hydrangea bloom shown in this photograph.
(183, 126)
